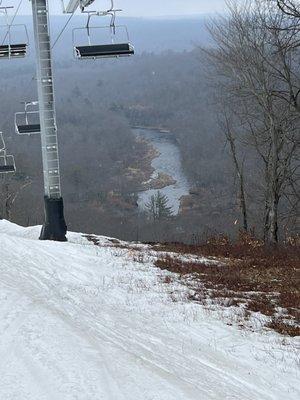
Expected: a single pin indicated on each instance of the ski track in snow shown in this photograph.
(83, 322)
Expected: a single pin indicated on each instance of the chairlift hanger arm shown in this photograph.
(29, 104)
(100, 14)
(74, 4)
(82, 4)
(2, 143)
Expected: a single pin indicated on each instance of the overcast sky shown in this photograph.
(142, 8)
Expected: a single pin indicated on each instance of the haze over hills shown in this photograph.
(147, 34)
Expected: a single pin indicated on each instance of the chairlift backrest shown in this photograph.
(2, 143)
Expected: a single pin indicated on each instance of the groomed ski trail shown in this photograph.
(83, 322)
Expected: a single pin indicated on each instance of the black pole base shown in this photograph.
(55, 227)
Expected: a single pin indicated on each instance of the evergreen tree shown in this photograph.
(158, 207)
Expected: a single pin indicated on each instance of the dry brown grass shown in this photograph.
(279, 325)
(264, 279)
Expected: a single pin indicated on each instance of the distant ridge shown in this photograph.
(151, 34)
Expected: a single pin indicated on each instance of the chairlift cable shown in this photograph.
(12, 21)
(63, 29)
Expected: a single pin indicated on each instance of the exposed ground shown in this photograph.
(257, 278)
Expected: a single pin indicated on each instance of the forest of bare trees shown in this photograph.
(256, 60)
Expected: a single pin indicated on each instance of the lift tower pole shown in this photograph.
(54, 227)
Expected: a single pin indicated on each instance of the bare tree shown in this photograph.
(289, 7)
(258, 78)
(10, 190)
(227, 128)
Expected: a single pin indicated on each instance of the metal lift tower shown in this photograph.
(54, 227)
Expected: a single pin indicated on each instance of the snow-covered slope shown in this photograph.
(79, 321)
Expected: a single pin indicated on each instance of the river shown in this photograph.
(168, 162)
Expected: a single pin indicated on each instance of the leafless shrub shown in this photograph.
(282, 327)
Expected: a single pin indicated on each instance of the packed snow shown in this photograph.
(86, 322)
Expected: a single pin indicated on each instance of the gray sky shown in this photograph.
(142, 8)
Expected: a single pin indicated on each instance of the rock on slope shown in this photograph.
(79, 321)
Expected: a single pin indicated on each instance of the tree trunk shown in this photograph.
(274, 188)
(240, 174)
(273, 215)
(243, 203)
(267, 221)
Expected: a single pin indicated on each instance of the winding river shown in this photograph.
(168, 162)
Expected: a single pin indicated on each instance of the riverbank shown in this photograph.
(152, 128)
(167, 174)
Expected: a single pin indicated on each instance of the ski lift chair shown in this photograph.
(113, 50)
(7, 162)
(107, 50)
(26, 121)
(10, 47)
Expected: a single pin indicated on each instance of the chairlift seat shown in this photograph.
(104, 51)
(7, 168)
(13, 50)
(29, 129)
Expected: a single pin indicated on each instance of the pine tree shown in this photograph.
(158, 207)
